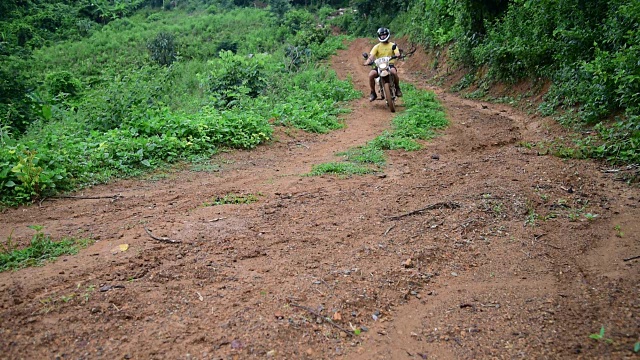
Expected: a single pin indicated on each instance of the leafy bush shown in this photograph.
(16, 107)
(232, 77)
(310, 100)
(279, 7)
(62, 82)
(162, 49)
(63, 160)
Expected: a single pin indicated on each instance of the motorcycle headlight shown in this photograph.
(383, 66)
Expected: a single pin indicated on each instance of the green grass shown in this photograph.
(420, 121)
(232, 198)
(343, 169)
(40, 250)
(365, 155)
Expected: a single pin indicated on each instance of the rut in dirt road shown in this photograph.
(514, 270)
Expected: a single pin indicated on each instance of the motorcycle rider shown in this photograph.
(382, 49)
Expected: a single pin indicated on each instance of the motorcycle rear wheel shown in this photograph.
(389, 97)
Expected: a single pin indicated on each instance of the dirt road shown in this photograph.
(474, 247)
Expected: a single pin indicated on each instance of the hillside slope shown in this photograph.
(474, 247)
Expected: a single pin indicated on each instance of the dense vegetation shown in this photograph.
(156, 87)
(589, 50)
(95, 90)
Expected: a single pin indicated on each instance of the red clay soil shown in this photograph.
(475, 247)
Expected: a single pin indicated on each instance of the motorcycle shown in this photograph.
(384, 82)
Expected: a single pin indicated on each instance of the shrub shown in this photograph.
(162, 49)
(233, 76)
(62, 82)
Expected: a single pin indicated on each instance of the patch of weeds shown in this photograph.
(600, 336)
(364, 155)
(618, 230)
(203, 163)
(158, 177)
(590, 216)
(478, 94)
(526, 145)
(492, 206)
(573, 215)
(233, 199)
(342, 169)
(532, 216)
(509, 100)
(66, 298)
(205, 167)
(40, 250)
(51, 303)
(87, 293)
(497, 208)
(389, 141)
(465, 82)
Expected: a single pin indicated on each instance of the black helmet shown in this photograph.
(383, 34)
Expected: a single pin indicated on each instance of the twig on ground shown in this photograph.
(324, 282)
(389, 229)
(319, 292)
(327, 319)
(162, 239)
(552, 246)
(631, 258)
(497, 306)
(440, 205)
(536, 237)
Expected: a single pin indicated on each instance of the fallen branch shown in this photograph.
(327, 319)
(162, 239)
(631, 258)
(440, 205)
(114, 197)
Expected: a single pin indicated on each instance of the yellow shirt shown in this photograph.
(385, 49)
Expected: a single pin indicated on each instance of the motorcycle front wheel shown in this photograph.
(389, 97)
